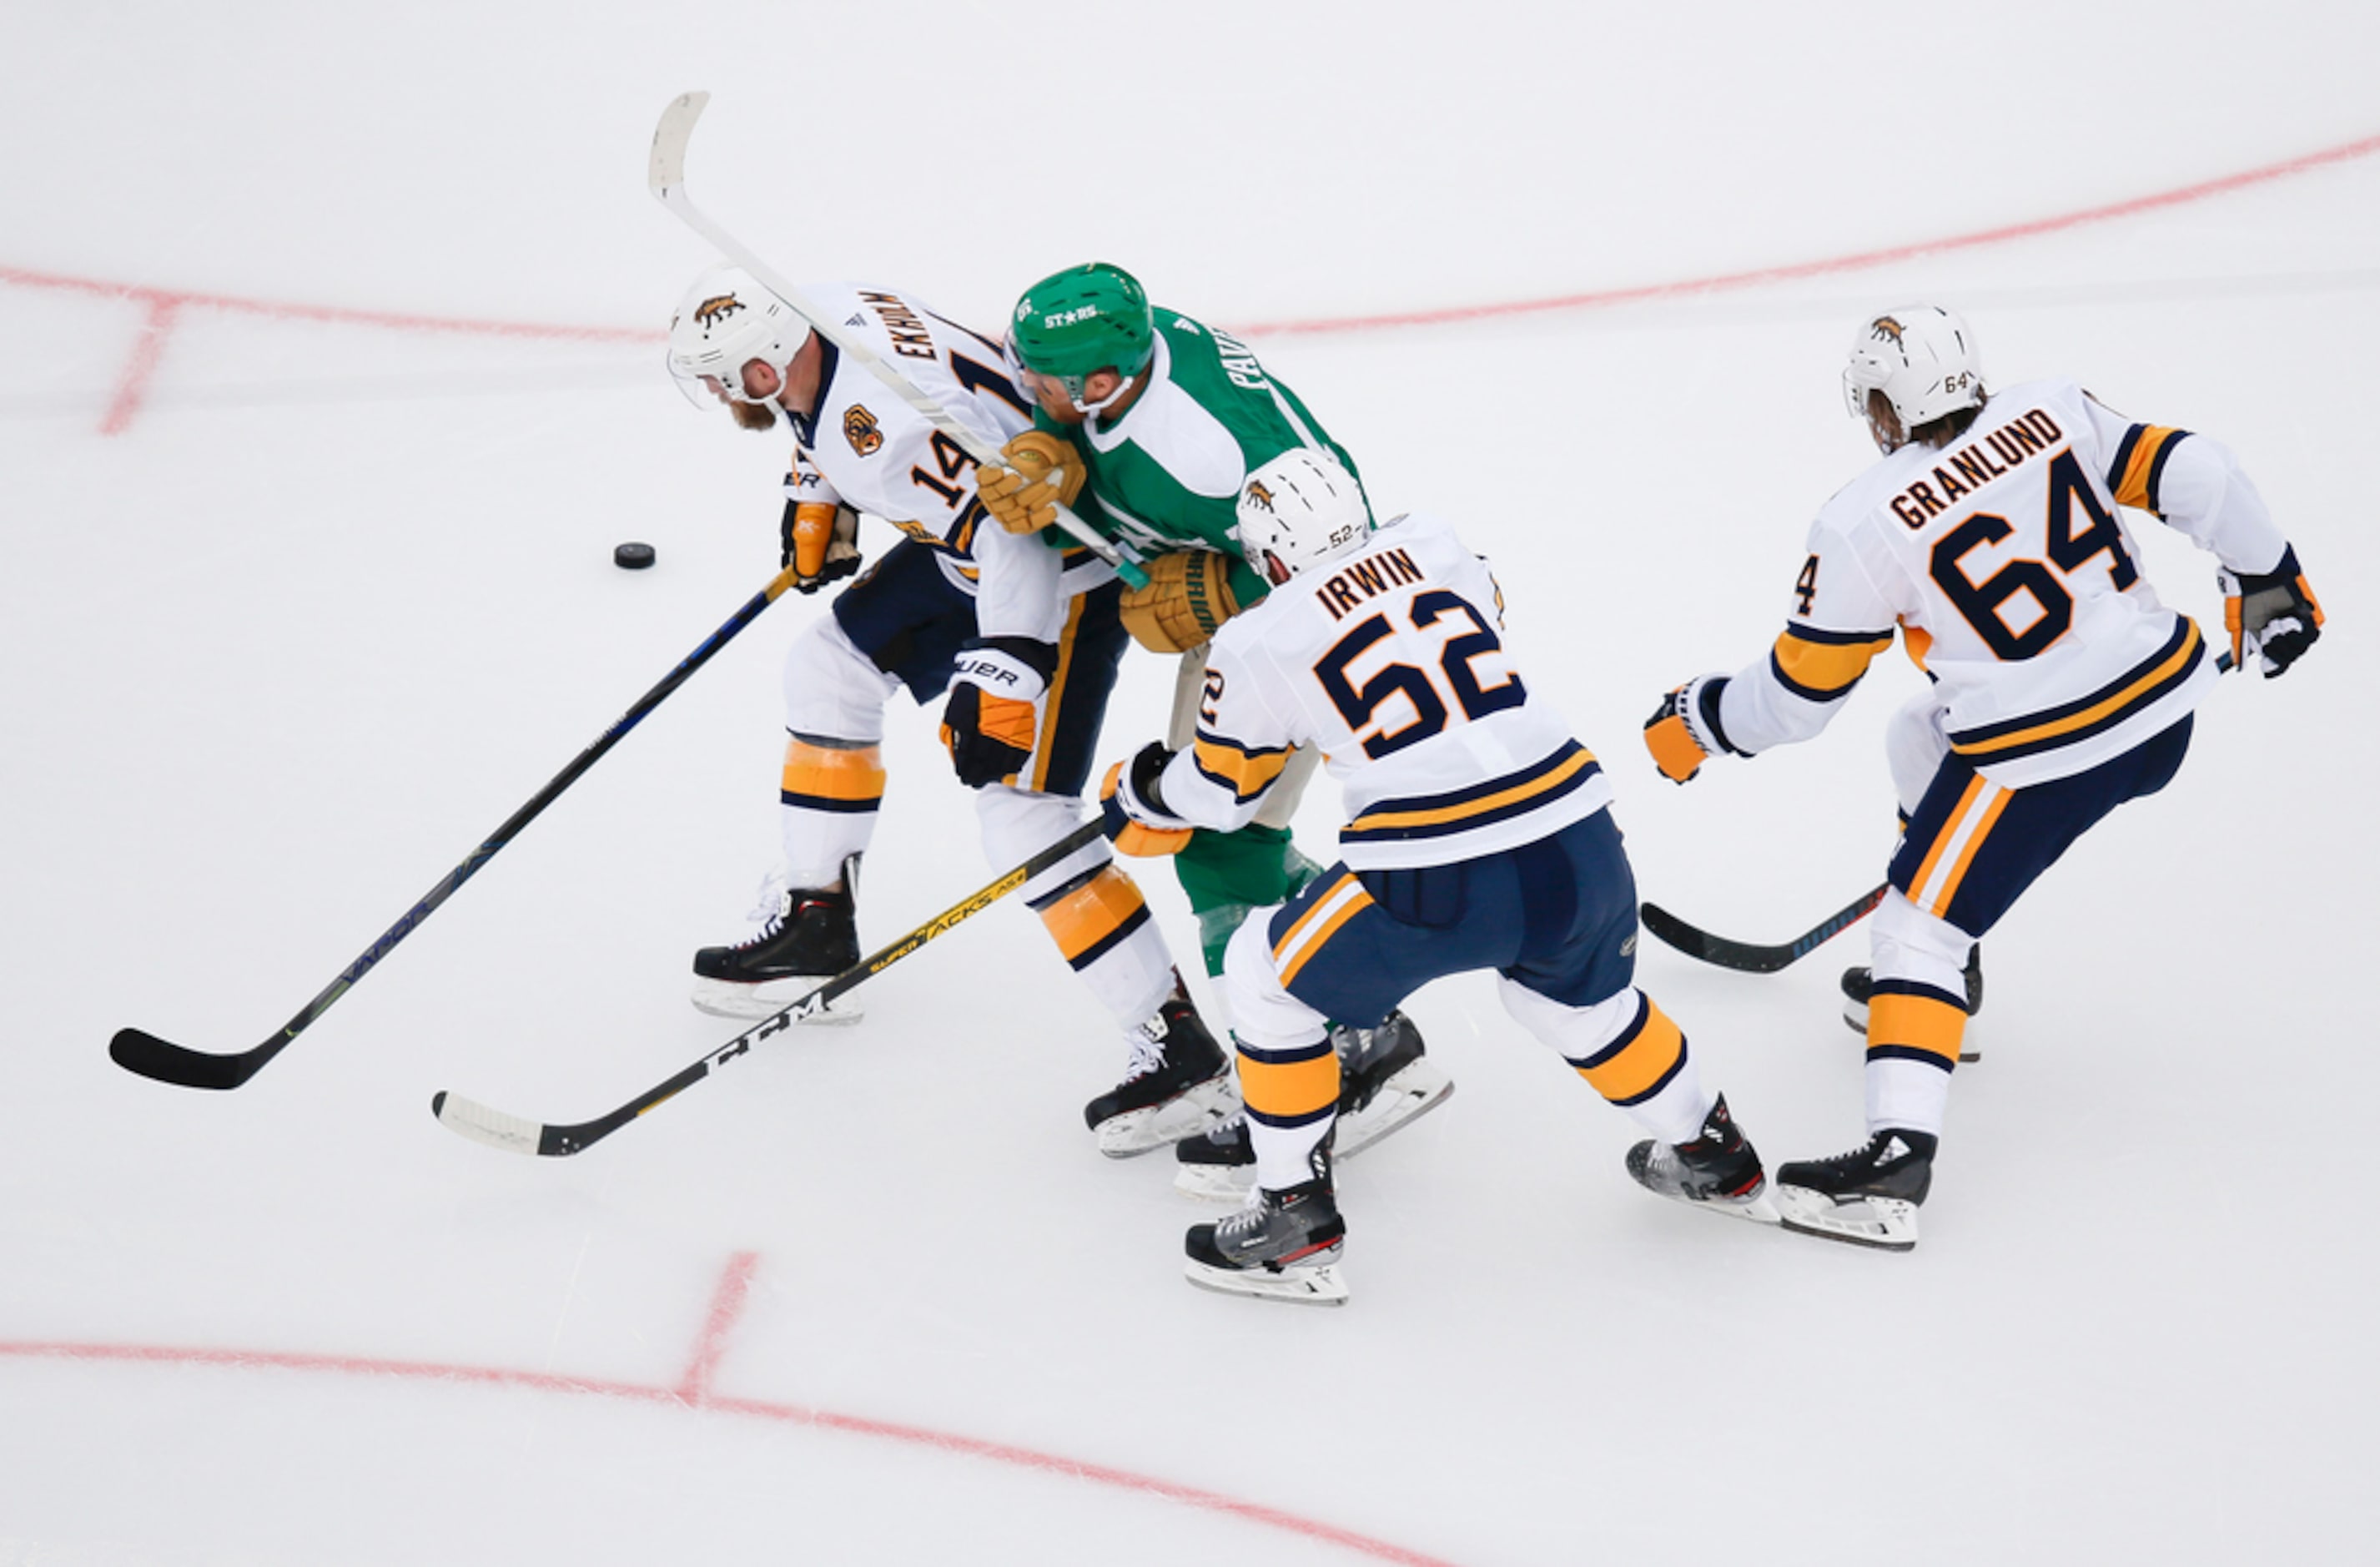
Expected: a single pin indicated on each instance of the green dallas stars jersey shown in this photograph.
(1166, 473)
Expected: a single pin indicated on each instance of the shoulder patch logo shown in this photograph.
(717, 308)
(859, 428)
(1887, 329)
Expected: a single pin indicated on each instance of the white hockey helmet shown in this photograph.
(1302, 508)
(1922, 358)
(725, 321)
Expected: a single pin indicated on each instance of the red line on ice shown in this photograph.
(693, 1391)
(132, 387)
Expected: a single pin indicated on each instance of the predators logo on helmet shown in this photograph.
(1887, 329)
(1258, 495)
(859, 428)
(713, 310)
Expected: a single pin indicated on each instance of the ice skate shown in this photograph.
(1283, 1246)
(1868, 1197)
(1384, 1082)
(1857, 984)
(803, 936)
(1717, 1170)
(1178, 1083)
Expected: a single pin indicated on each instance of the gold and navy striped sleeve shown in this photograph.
(2139, 462)
(1819, 666)
(1245, 771)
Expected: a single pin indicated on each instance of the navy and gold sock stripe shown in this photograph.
(1483, 804)
(1909, 1021)
(1632, 1068)
(1295, 1086)
(1093, 916)
(2095, 714)
(832, 775)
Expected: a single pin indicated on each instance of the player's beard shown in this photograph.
(759, 417)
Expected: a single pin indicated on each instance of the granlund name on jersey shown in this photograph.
(867, 448)
(1393, 661)
(2005, 565)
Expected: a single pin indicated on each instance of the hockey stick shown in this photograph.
(169, 1063)
(667, 179)
(1745, 956)
(516, 1134)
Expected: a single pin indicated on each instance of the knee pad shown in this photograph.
(1576, 1033)
(832, 688)
(1263, 1012)
(1018, 824)
(1906, 942)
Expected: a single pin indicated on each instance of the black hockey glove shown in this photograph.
(820, 542)
(1684, 732)
(2271, 613)
(989, 722)
(1132, 812)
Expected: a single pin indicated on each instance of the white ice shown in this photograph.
(339, 597)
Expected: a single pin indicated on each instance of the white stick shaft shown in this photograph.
(667, 178)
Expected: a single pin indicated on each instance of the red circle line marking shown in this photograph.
(693, 1391)
(132, 386)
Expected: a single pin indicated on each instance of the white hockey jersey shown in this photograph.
(865, 447)
(1390, 661)
(2008, 569)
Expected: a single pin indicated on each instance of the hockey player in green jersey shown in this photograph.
(1148, 424)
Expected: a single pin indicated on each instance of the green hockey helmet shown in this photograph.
(1075, 323)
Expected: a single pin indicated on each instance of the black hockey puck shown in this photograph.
(633, 556)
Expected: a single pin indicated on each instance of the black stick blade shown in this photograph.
(161, 1060)
(1747, 957)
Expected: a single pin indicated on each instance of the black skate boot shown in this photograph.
(1858, 985)
(1283, 1246)
(1868, 1197)
(1719, 1169)
(1177, 1085)
(806, 936)
(1384, 1082)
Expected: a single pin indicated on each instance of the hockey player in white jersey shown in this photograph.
(1479, 838)
(1989, 538)
(1024, 638)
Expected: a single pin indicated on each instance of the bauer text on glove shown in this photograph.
(989, 722)
(1685, 731)
(1133, 813)
(2271, 613)
(1044, 472)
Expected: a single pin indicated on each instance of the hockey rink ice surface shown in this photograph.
(332, 375)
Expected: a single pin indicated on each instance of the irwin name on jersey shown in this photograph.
(1368, 577)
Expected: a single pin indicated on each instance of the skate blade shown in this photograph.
(1187, 1114)
(1320, 1285)
(1215, 1183)
(722, 998)
(1885, 1223)
(1413, 1093)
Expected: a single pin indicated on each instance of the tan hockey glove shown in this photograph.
(821, 543)
(1186, 602)
(1043, 473)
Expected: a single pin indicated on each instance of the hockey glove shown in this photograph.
(1187, 598)
(1043, 473)
(1684, 732)
(1133, 813)
(987, 723)
(821, 542)
(2270, 614)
